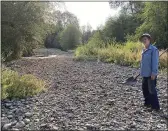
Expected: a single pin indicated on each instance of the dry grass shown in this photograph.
(128, 54)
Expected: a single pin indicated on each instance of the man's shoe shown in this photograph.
(147, 105)
(157, 110)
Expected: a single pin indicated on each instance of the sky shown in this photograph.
(94, 13)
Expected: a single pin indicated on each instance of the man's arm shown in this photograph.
(155, 61)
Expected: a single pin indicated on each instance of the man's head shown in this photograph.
(146, 39)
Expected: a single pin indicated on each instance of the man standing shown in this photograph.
(149, 72)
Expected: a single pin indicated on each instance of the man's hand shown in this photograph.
(153, 77)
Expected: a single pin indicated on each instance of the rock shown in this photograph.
(4, 120)
(7, 126)
(10, 116)
(125, 108)
(161, 125)
(8, 105)
(2, 115)
(27, 121)
(13, 122)
(20, 124)
(15, 129)
(110, 102)
(52, 118)
(91, 127)
(28, 114)
(22, 100)
(44, 126)
(53, 127)
(133, 125)
(36, 120)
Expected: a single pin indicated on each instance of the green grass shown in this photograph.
(127, 54)
(16, 86)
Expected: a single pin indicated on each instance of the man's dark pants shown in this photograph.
(150, 92)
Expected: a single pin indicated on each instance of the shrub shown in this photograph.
(128, 54)
(16, 86)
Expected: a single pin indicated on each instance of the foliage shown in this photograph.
(128, 54)
(70, 37)
(16, 86)
(21, 27)
(155, 22)
(119, 27)
(136, 18)
(86, 33)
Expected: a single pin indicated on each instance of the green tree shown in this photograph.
(70, 37)
(119, 27)
(86, 33)
(155, 19)
(21, 24)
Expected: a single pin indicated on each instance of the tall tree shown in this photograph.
(86, 33)
(155, 17)
(70, 37)
(21, 27)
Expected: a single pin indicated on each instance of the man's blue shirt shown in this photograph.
(149, 62)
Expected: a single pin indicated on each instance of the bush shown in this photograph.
(70, 37)
(16, 86)
(128, 54)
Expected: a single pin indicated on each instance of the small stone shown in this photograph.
(8, 105)
(28, 114)
(15, 129)
(10, 116)
(7, 126)
(133, 125)
(52, 118)
(3, 115)
(14, 123)
(160, 125)
(4, 120)
(110, 102)
(36, 120)
(20, 124)
(27, 121)
(91, 127)
(52, 127)
(22, 100)
(125, 108)
(43, 126)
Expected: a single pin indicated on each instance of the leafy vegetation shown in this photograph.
(70, 37)
(128, 54)
(16, 86)
(117, 42)
(30, 25)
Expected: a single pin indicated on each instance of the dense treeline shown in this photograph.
(117, 40)
(136, 18)
(29, 25)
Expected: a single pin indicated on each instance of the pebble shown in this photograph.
(7, 105)
(20, 124)
(91, 127)
(36, 120)
(7, 126)
(10, 116)
(28, 114)
(27, 121)
(15, 129)
(4, 120)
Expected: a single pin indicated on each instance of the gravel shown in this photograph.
(83, 95)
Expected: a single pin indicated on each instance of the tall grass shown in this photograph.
(127, 54)
(15, 86)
